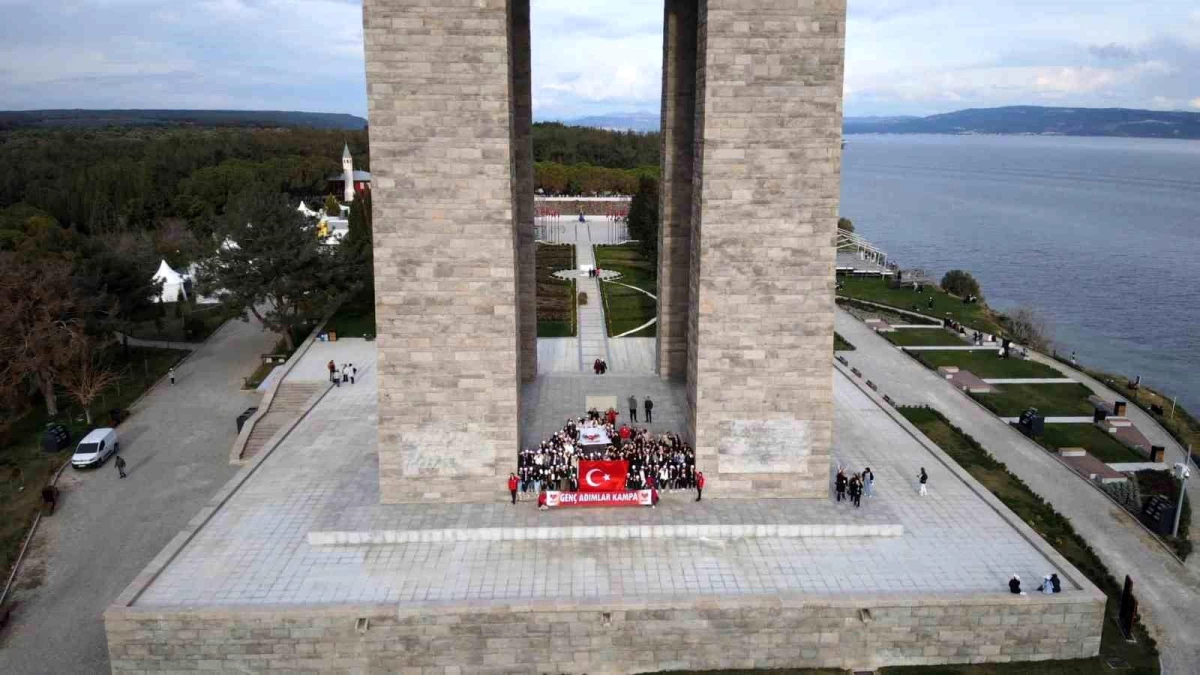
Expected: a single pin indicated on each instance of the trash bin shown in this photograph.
(247, 414)
(56, 437)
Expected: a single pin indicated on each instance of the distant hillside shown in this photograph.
(631, 121)
(1038, 120)
(198, 118)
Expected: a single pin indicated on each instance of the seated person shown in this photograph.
(542, 500)
(1014, 585)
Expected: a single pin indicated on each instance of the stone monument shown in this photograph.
(751, 159)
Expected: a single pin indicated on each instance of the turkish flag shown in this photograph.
(602, 475)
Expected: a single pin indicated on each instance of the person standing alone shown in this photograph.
(699, 484)
(649, 406)
(632, 408)
(512, 486)
(171, 374)
(923, 479)
(120, 466)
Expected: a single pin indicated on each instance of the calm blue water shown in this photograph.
(1101, 235)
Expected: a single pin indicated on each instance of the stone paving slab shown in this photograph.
(255, 548)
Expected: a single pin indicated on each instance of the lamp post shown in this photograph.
(1182, 472)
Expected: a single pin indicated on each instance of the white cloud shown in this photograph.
(1195, 103)
(594, 56)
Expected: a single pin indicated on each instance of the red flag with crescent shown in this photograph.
(602, 475)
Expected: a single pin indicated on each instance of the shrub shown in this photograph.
(582, 298)
(961, 283)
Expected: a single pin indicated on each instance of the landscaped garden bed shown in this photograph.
(945, 306)
(1098, 442)
(556, 310)
(924, 337)
(627, 308)
(1051, 400)
(987, 364)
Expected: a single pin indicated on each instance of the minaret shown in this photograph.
(348, 174)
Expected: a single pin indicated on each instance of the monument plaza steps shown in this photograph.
(289, 403)
(677, 516)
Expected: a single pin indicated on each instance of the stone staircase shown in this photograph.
(287, 405)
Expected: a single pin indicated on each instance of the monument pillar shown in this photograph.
(523, 185)
(675, 195)
(443, 158)
(765, 205)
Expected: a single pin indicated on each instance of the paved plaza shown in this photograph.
(257, 549)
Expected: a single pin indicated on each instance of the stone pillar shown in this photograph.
(442, 158)
(675, 202)
(766, 190)
(522, 101)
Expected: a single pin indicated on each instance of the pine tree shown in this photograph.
(643, 217)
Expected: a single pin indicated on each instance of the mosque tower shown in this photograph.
(347, 175)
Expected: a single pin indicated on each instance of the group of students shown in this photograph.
(1050, 584)
(663, 462)
(347, 373)
(856, 484)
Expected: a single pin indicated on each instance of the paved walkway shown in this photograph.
(106, 530)
(1168, 592)
(1072, 419)
(161, 344)
(593, 334)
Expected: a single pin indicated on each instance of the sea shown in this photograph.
(1101, 236)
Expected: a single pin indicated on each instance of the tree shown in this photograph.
(358, 245)
(121, 286)
(961, 283)
(332, 208)
(274, 265)
(39, 312)
(643, 217)
(1026, 327)
(86, 371)
(845, 224)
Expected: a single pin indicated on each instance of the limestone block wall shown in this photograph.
(618, 636)
(442, 157)
(765, 201)
(675, 202)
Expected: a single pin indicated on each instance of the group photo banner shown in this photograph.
(622, 498)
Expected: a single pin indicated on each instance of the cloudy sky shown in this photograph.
(595, 56)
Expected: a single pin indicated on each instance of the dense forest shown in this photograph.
(587, 161)
(97, 180)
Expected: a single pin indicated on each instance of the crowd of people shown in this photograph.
(662, 462)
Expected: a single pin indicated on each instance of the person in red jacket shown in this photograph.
(699, 484)
(542, 500)
(611, 415)
(512, 486)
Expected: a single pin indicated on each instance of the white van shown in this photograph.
(96, 447)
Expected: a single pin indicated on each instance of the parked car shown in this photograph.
(95, 448)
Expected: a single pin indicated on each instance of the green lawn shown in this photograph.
(1051, 400)
(24, 468)
(626, 308)
(556, 309)
(840, 344)
(987, 364)
(921, 337)
(944, 305)
(356, 316)
(1099, 443)
(1141, 656)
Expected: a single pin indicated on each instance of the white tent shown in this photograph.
(172, 284)
(307, 211)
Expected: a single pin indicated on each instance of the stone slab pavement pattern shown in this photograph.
(251, 565)
(1168, 593)
(106, 529)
